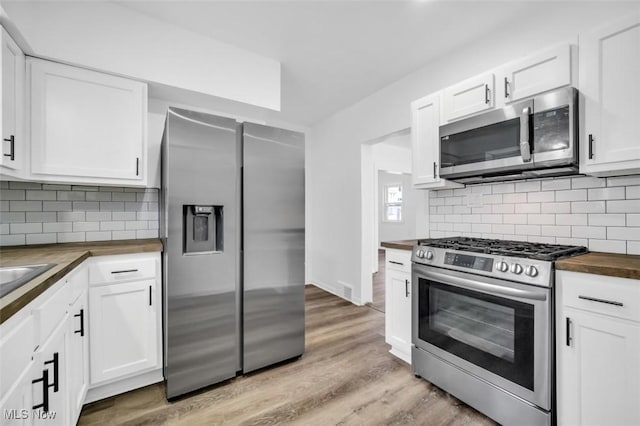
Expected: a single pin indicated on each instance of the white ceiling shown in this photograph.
(334, 53)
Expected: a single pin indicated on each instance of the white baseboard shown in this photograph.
(336, 290)
(102, 391)
(403, 356)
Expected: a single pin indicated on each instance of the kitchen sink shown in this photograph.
(13, 277)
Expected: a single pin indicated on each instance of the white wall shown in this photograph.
(108, 37)
(334, 145)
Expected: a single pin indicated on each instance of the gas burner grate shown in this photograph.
(538, 251)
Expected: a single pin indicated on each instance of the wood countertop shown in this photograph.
(611, 264)
(66, 257)
(400, 245)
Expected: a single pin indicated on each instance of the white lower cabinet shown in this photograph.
(398, 303)
(47, 348)
(78, 354)
(52, 379)
(123, 329)
(598, 347)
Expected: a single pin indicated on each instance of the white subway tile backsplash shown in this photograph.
(480, 189)
(441, 210)
(57, 206)
(624, 180)
(503, 229)
(528, 186)
(528, 229)
(621, 233)
(12, 194)
(503, 208)
(572, 195)
(448, 218)
(541, 239)
(633, 219)
(555, 231)
(481, 227)
(573, 241)
(456, 210)
(607, 219)
(615, 193)
(514, 198)
(571, 219)
(620, 206)
(541, 197)
(555, 184)
(502, 188)
(25, 228)
(451, 201)
(587, 182)
(57, 227)
(436, 201)
(633, 192)
(633, 247)
(541, 219)
(462, 227)
(610, 246)
(41, 239)
(564, 207)
(71, 237)
(527, 208)
(26, 206)
(514, 218)
(588, 207)
(492, 199)
(71, 196)
(589, 232)
(34, 213)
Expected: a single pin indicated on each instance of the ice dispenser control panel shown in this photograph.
(202, 229)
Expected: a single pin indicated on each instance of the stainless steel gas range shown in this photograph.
(482, 323)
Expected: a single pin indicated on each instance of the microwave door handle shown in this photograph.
(525, 135)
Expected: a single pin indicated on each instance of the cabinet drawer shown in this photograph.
(617, 297)
(16, 349)
(111, 271)
(50, 313)
(399, 260)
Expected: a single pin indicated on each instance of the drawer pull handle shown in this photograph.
(150, 297)
(569, 332)
(124, 271)
(81, 315)
(12, 146)
(406, 288)
(56, 362)
(594, 299)
(396, 263)
(45, 391)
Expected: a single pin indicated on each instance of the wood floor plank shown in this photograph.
(346, 377)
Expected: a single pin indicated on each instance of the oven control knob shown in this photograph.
(419, 253)
(516, 268)
(429, 255)
(502, 266)
(531, 271)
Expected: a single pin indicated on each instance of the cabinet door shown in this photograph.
(12, 90)
(16, 405)
(609, 70)
(425, 143)
(123, 329)
(599, 372)
(538, 73)
(398, 313)
(86, 126)
(78, 355)
(470, 96)
(51, 359)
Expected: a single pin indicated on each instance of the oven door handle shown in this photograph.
(484, 287)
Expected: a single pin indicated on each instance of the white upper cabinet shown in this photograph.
(538, 73)
(12, 90)
(425, 143)
(86, 126)
(469, 97)
(610, 85)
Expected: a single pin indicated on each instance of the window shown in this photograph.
(393, 203)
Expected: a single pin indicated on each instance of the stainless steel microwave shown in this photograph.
(533, 138)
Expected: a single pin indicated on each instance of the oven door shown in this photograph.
(497, 330)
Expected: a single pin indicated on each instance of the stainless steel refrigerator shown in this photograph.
(232, 223)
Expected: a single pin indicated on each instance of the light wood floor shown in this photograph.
(378, 283)
(346, 377)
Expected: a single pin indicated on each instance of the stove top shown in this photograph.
(537, 251)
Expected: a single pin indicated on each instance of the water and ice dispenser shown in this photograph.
(202, 229)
